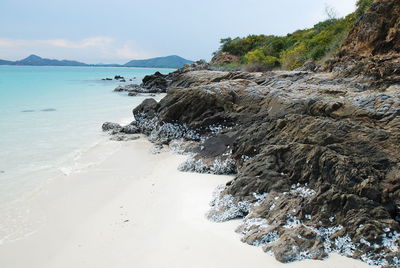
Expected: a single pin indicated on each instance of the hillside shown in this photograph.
(266, 52)
(372, 48)
(160, 62)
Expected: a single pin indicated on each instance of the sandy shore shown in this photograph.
(130, 208)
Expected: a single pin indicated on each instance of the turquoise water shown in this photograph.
(48, 113)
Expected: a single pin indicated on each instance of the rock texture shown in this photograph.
(316, 157)
(372, 48)
(224, 58)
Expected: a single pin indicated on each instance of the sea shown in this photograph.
(50, 115)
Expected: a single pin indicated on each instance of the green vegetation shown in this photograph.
(293, 50)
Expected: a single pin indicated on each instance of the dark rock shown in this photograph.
(148, 108)
(27, 111)
(131, 129)
(118, 77)
(129, 88)
(316, 159)
(48, 110)
(107, 126)
(155, 83)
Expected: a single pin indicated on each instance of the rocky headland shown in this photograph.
(316, 155)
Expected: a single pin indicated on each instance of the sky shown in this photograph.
(99, 31)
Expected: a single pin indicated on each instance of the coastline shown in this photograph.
(123, 212)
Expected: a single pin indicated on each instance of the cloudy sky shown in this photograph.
(116, 31)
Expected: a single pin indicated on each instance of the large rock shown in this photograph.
(316, 157)
(372, 48)
(224, 58)
(156, 82)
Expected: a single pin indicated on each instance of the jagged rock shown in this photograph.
(224, 58)
(316, 157)
(147, 109)
(316, 154)
(155, 83)
(372, 49)
(107, 126)
(132, 128)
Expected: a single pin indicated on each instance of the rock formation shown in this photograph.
(224, 58)
(372, 48)
(316, 156)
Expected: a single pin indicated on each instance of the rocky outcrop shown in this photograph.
(134, 90)
(224, 58)
(316, 157)
(155, 83)
(372, 48)
(115, 128)
(160, 83)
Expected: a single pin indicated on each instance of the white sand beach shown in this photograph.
(131, 208)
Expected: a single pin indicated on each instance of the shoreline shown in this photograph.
(125, 212)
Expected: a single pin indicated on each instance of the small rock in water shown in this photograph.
(48, 110)
(27, 111)
(2, 171)
(110, 126)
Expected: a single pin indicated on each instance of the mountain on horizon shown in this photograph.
(34, 60)
(172, 61)
(159, 62)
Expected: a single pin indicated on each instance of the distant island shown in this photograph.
(172, 61)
